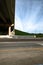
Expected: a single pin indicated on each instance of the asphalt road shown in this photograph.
(21, 52)
(21, 44)
(19, 39)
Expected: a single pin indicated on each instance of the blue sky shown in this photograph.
(29, 15)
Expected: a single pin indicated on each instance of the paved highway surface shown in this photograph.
(21, 44)
(21, 52)
(19, 39)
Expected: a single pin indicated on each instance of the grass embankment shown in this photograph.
(17, 32)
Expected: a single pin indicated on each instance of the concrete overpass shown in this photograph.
(6, 16)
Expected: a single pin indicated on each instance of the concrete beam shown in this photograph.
(10, 7)
(5, 25)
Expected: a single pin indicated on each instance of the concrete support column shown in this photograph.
(9, 30)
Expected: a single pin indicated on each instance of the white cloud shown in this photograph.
(29, 23)
(32, 27)
(18, 24)
(29, 26)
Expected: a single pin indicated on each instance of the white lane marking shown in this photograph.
(21, 42)
(40, 44)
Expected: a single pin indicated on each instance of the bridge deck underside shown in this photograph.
(6, 15)
(6, 11)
